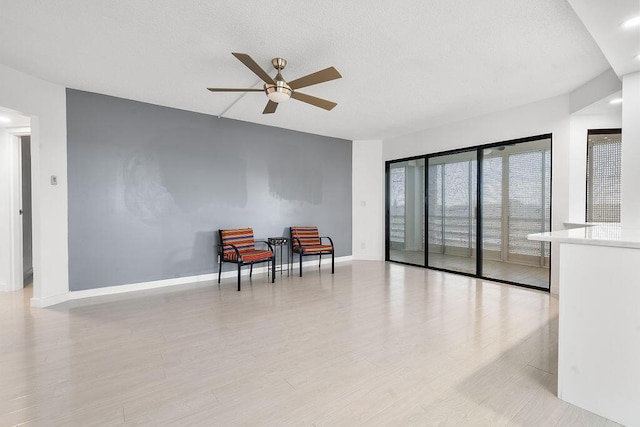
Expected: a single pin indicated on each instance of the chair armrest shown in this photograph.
(265, 242)
(327, 237)
(299, 244)
(221, 250)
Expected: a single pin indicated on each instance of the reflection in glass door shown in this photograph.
(452, 193)
(516, 202)
(406, 211)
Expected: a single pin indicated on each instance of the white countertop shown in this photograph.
(598, 235)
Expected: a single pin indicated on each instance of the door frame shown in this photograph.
(16, 273)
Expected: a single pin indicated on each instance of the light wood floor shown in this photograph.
(518, 273)
(375, 344)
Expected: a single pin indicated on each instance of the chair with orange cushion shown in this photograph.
(306, 241)
(239, 247)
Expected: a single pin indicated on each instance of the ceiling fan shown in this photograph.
(278, 90)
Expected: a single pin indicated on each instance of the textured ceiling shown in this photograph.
(406, 65)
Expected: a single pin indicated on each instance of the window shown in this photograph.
(604, 149)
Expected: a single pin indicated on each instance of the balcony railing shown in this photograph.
(457, 233)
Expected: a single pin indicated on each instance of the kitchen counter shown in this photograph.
(599, 319)
(593, 234)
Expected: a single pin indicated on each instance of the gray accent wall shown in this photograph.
(149, 187)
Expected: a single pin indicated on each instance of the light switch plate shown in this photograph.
(54, 180)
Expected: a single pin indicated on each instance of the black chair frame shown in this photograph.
(301, 252)
(241, 263)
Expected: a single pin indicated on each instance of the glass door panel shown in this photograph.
(406, 211)
(516, 202)
(452, 189)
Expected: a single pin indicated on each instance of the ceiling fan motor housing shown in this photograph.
(280, 91)
(279, 63)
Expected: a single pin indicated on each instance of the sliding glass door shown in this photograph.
(481, 203)
(406, 211)
(452, 190)
(516, 202)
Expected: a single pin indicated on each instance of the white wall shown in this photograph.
(45, 103)
(368, 200)
(630, 188)
(545, 116)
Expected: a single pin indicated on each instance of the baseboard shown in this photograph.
(6, 287)
(119, 289)
(325, 260)
(368, 258)
(49, 301)
(142, 286)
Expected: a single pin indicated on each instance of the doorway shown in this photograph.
(16, 236)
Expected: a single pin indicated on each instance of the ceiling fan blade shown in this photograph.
(231, 89)
(253, 66)
(270, 108)
(318, 102)
(315, 78)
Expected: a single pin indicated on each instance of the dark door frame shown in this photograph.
(480, 156)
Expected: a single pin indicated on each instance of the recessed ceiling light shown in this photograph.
(5, 119)
(615, 101)
(633, 22)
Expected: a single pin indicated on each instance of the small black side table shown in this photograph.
(279, 244)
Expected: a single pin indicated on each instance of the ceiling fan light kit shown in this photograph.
(278, 90)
